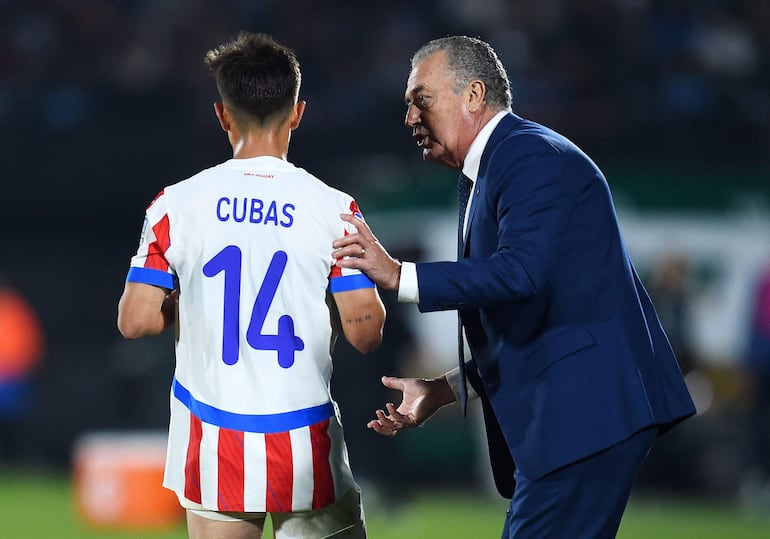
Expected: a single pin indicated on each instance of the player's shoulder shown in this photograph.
(319, 187)
(299, 182)
(214, 170)
(192, 183)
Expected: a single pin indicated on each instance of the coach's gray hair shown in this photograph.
(471, 59)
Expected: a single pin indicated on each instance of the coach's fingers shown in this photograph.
(355, 250)
(393, 382)
(392, 421)
(402, 421)
(384, 424)
(379, 429)
(346, 240)
(361, 226)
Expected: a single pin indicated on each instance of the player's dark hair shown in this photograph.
(257, 78)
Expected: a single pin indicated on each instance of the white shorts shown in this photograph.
(342, 519)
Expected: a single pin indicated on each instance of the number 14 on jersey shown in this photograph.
(284, 342)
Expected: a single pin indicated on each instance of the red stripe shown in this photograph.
(156, 251)
(192, 468)
(162, 191)
(323, 482)
(280, 472)
(230, 466)
(336, 270)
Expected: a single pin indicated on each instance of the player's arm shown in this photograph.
(145, 309)
(362, 317)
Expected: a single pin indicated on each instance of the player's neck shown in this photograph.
(258, 143)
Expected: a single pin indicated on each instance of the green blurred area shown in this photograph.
(648, 186)
(41, 505)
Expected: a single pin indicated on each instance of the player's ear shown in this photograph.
(222, 115)
(296, 114)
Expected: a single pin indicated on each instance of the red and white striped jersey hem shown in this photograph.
(220, 469)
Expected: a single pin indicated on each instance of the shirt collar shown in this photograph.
(473, 159)
(274, 163)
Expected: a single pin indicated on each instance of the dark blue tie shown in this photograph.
(464, 186)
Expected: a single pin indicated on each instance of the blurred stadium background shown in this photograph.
(103, 103)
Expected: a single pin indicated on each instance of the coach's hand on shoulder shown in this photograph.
(362, 251)
(420, 399)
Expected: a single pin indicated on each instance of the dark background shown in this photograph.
(104, 103)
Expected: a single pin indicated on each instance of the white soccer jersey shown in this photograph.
(248, 246)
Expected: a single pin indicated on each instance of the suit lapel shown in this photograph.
(503, 129)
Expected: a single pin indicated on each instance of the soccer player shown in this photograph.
(238, 256)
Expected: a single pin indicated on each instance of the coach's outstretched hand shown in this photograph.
(420, 400)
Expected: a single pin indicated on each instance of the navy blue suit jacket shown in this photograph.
(568, 355)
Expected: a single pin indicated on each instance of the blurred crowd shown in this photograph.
(650, 79)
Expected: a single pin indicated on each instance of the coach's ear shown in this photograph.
(296, 114)
(476, 95)
(222, 115)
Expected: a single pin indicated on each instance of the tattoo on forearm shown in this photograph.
(358, 319)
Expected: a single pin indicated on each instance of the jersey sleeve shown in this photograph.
(346, 279)
(149, 264)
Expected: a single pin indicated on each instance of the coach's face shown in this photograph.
(441, 122)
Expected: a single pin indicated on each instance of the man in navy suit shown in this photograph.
(574, 372)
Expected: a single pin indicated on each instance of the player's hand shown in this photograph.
(362, 251)
(420, 400)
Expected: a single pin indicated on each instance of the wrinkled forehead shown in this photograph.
(429, 73)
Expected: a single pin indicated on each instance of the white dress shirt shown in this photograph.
(408, 290)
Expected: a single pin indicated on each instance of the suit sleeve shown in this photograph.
(528, 199)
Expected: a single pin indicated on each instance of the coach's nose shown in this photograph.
(412, 116)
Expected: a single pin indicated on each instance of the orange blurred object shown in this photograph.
(118, 481)
(21, 338)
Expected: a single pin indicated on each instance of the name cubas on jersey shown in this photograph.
(255, 210)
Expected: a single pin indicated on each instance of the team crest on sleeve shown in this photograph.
(144, 230)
